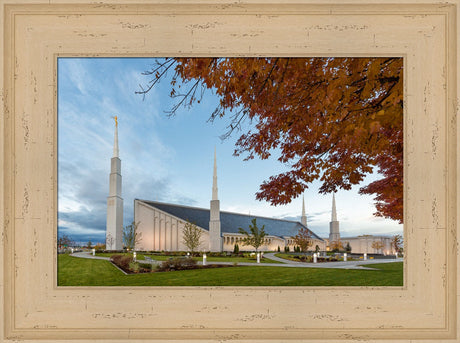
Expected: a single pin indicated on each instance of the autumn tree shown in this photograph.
(377, 245)
(303, 239)
(331, 119)
(191, 236)
(131, 237)
(255, 236)
(336, 246)
(397, 243)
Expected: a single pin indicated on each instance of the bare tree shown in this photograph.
(65, 241)
(130, 236)
(377, 245)
(191, 236)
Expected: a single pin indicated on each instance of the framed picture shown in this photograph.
(35, 35)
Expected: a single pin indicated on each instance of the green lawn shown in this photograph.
(73, 271)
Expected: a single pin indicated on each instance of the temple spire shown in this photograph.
(114, 228)
(334, 210)
(115, 140)
(215, 239)
(303, 219)
(214, 179)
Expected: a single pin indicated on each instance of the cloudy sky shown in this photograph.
(165, 158)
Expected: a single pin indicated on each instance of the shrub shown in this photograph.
(177, 264)
(279, 250)
(122, 261)
(217, 254)
(134, 267)
(146, 266)
(236, 249)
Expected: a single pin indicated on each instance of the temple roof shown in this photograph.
(229, 221)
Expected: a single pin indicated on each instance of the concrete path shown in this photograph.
(87, 254)
(285, 263)
(336, 265)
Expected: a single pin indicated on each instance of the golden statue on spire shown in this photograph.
(116, 120)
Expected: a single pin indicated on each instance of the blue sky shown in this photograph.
(165, 158)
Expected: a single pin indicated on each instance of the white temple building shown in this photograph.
(161, 224)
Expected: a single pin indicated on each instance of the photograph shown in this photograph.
(230, 171)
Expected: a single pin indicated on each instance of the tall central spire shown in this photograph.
(303, 219)
(334, 210)
(214, 179)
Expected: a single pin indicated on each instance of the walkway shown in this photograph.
(271, 256)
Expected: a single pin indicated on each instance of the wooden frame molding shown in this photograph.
(35, 33)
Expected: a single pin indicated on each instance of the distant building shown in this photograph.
(359, 244)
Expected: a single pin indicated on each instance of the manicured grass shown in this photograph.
(140, 256)
(73, 271)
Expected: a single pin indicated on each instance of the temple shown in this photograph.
(161, 225)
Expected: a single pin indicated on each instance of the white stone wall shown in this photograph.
(271, 243)
(363, 244)
(161, 231)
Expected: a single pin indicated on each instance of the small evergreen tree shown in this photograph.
(236, 249)
(348, 247)
(279, 250)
